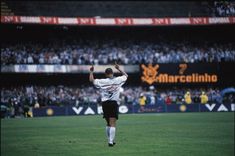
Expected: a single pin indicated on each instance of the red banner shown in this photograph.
(161, 21)
(86, 21)
(49, 20)
(118, 21)
(199, 20)
(10, 19)
(124, 21)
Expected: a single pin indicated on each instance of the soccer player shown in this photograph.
(110, 91)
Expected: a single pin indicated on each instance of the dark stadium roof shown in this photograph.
(109, 8)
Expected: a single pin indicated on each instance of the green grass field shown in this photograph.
(181, 134)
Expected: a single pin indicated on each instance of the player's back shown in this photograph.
(110, 87)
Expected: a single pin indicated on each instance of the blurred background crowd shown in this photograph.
(224, 8)
(84, 52)
(23, 97)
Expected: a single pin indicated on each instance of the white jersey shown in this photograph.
(110, 87)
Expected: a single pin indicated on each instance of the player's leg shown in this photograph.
(105, 108)
(107, 129)
(112, 130)
(112, 122)
(110, 112)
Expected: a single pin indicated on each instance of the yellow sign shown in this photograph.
(183, 108)
(50, 111)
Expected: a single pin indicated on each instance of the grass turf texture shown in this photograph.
(182, 134)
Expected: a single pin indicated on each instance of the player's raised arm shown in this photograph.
(117, 67)
(91, 77)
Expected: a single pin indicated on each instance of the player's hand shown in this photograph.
(116, 65)
(92, 68)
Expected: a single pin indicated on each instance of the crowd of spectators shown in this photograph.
(224, 8)
(40, 96)
(19, 100)
(84, 52)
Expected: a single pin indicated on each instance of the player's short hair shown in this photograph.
(108, 71)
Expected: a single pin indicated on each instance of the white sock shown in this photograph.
(107, 131)
(112, 132)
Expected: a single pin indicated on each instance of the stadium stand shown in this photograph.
(5, 10)
(224, 8)
(130, 46)
(107, 52)
(111, 8)
(67, 95)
